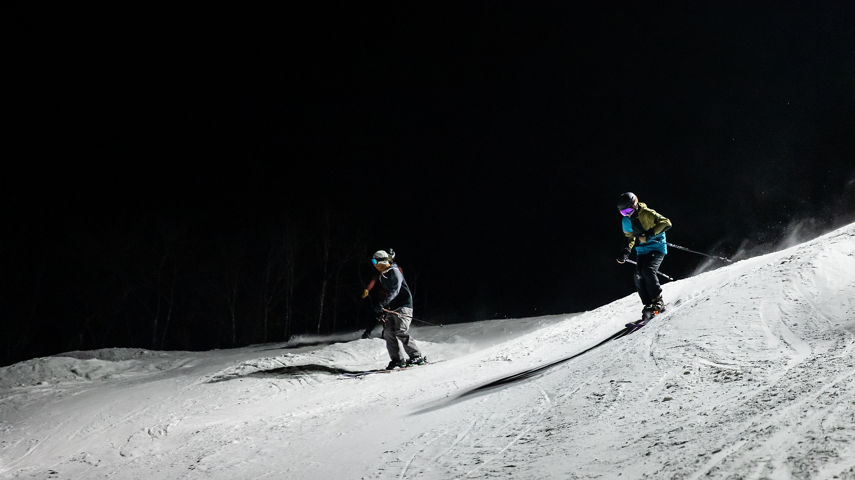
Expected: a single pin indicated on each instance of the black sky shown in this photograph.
(485, 141)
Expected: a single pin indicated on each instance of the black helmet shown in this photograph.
(626, 200)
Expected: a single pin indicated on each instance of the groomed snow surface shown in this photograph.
(749, 374)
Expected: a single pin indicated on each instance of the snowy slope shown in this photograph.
(749, 374)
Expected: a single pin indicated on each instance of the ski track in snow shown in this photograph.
(749, 374)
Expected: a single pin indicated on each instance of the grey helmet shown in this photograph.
(381, 256)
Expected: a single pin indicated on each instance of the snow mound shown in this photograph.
(83, 366)
(115, 354)
(337, 353)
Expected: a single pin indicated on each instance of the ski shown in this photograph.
(381, 370)
(646, 317)
(366, 373)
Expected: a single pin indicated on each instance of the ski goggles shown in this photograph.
(627, 211)
(374, 261)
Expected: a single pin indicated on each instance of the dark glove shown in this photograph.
(624, 255)
(645, 236)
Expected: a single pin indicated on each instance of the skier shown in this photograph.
(394, 308)
(645, 226)
(374, 321)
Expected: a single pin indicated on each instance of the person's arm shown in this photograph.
(631, 240)
(660, 223)
(626, 224)
(624, 254)
(368, 288)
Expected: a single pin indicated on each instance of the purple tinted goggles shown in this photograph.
(627, 211)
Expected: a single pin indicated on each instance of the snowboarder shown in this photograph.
(645, 226)
(394, 308)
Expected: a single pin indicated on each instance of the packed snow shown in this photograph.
(750, 373)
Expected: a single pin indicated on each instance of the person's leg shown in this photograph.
(648, 271)
(369, 329)
(390, 329)
(638, 279)
(405, 318)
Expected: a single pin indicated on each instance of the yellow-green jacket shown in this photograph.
(648, 222)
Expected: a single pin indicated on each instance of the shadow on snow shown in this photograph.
(516, 377)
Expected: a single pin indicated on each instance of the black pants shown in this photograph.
(646, 279)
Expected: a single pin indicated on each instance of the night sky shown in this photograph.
(486, 142)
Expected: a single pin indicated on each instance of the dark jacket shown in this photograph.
(394, 292)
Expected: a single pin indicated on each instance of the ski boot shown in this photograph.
(647, 313)
(420, 360)
(396, 364)
(657, 305)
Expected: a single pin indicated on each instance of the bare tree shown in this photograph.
(277, 285)
(159, 302)
(326, 246)
(290, 278)
(230, 280)
(170, 307)
(347, 285)
(231, 302)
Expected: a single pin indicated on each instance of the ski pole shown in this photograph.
(414, 319)
(678, 247)
(658, 272)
